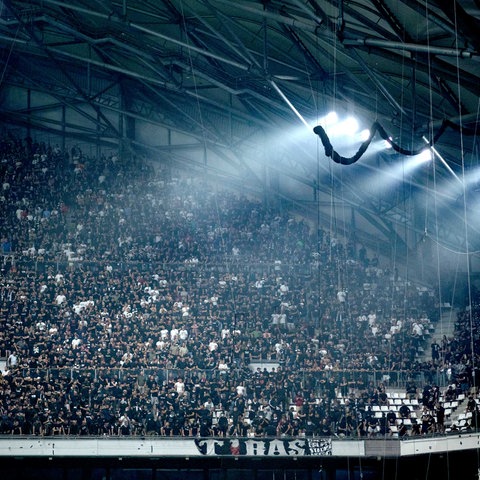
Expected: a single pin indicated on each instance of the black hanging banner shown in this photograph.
(376, 127)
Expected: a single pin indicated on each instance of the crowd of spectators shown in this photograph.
(138, 300)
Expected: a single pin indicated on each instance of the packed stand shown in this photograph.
(136, 302)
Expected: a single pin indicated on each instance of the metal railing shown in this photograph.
(314, 381)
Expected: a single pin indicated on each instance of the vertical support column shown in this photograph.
(230, 121)
(353, 235)
(414, 94)
(29, 105)
(265, 41)
(121, 123)
(97, 143)
(64, 114)
(169, 163)
(126, 123)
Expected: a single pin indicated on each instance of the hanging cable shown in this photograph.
(434, 179)
(467, 263)
(232, 323)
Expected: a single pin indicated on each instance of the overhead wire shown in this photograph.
(466, 232)
(434, 177)
(474, 132)
(394, 309)
(396, 241)
(337, 229)
(233, 322)
(195, 83)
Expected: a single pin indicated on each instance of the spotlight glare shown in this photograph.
(345, 128)
(364, 135)
(330, 118)
(350, 125)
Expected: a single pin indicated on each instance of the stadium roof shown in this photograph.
(234, 89)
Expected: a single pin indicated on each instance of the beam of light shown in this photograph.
(384, 179)
(447, 166)
(289, 103)
(423, 157)
(473, 177)
(411, 163)
(376, 146)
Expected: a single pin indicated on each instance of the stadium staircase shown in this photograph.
(455, 411)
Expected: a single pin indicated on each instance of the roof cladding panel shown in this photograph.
(420, 20)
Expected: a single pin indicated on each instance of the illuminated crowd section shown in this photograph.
(138, 300)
